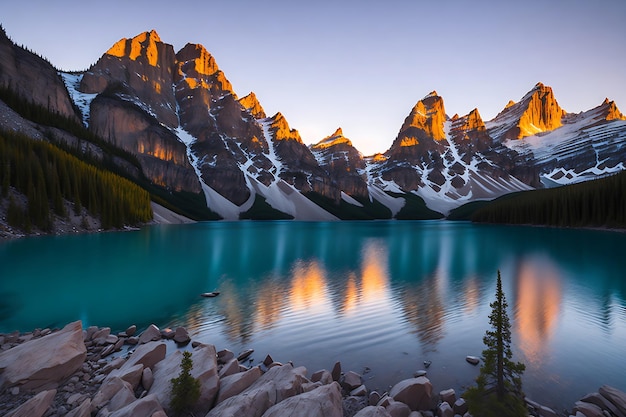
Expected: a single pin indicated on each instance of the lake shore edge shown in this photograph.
(91, 372)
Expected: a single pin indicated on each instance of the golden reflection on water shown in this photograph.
(375, 275)
(471, 293)
(351, 296)
(269, 304)
(308, 287)
(537, 307)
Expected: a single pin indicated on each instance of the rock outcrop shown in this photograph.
(43, 363)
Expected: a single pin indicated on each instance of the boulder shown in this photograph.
(351, 380)
(131, 330)
(374, 397)
(336, 372)
(615, 396)
(100, 335)
(414, 392)
(373, 411)
(245, 355)
(474, 360)
(44, 362)
(204, 369)
(360, 391)
(588, 409)
(272, 387)
(460, 406)
(448, 396)
(83, 410)
(234, 384)
(152, 333)
(37, 405)
(322, 376)
(116, 363)
(445, 410)
(324, 401)
(148, 354)
(146, 406)
(310, 386)
(121, 399)
(602, 402)
(132, 374)
(181, 336)
(224, 356)
(147, 379)
(231, 368)
(107, 390)
(398, 409)
(168, 333)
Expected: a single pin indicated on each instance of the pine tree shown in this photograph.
(185, 388)
(499, 386)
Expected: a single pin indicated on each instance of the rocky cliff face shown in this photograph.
(33, 78)
(343, 163)
(538, 111)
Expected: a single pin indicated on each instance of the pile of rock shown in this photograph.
(80, 373)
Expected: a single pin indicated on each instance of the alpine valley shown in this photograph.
(205, 152)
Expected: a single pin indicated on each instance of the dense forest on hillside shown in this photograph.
(48, 175)
(597, 203)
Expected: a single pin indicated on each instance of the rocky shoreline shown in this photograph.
(80, 372)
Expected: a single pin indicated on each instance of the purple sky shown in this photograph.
(359, 64)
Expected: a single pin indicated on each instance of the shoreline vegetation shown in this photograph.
(94, 372)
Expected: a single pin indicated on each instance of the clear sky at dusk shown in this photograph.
(359, 65)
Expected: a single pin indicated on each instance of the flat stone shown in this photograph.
(146, 406)
(130, 374)
(419, 373)
(232, 367)
(460, 406)
(444, 410)
(360, 391)
(322, 376)
(244, 355)
(448, 396)
(37, 405)
(414, 392)
(588, 409)
(324, 401)
(374, 397)
(148, 354)
(107, 390)
(111, 339)
(114, 364)
(224, 356)
(602, 402)
(168, 333)
(35, 365)
(121, 399)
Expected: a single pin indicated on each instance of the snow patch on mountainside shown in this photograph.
(348, 199)
(82, 100)
(394, 204)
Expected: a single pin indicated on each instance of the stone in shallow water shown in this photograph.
(474, 360)
(414, 392)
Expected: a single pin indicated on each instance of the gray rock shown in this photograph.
(419, 373)
(35, 365)
(114, 364)
(268, 361)
(131, 330)
(231, 368)
(121, 399)
(168, 333)
(244, 355)
(602, 402)
(322, 376)
(336, 372)
(83, 410)
(414, 392)
(15, 390)
(224, 356)
(448, 396)
(107, 390)
(151, 334)
(324, 401)
(37, 405)
(360, 391)
(182, 336)
(310, 386)
(415, 414)
(147, 379)
(374, 397)
(99, 337)
(111, 339)
(75, 398)
(146, 406)
(588, 409)
(615, 396)
(546, 412)
(373, 411)
(460, 406)
(148, 354)
(131, 374)
(444, 410)
(474, 360)
(204, 369)
(398, 409)
(134, 340)
(351, 380)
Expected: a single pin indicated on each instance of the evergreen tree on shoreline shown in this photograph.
(499, 386)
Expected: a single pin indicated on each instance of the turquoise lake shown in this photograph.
(382, 296)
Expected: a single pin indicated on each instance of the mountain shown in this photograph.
(205, 148)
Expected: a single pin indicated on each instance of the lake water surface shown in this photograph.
(381, 297)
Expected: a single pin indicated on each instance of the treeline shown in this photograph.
(597, 203)
(48, 175)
